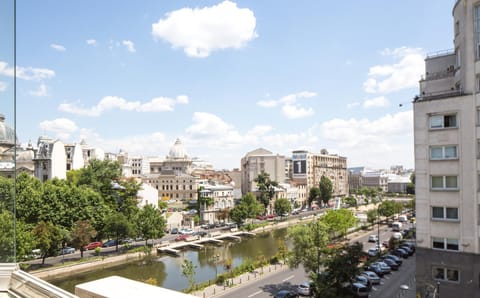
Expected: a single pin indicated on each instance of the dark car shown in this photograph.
(174, 231)
(407, 249)
(400, 252)
(363, 280)
(200, 233)
(93, 245)
(372, 276)
(109, 243)
(385, 268)
(376, 269)
(285, 294)
(391, 263)
(395, 258)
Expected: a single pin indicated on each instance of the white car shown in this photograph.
(372, 238)
(304, 289)
(186, 231)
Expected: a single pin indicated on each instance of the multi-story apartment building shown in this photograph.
(222, 196)
(50, 159)
(74, 156)
(447, 162)
(308, 169)
(258, 161)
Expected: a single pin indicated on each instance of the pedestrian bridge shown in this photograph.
(197, 241)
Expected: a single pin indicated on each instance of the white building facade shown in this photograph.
(447, 162)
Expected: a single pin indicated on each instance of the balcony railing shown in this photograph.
(449, 72)
(438, 94)
(440, 53)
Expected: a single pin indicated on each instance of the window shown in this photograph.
(445, 213)
(444, 182)
(446, 274)
(443, 121)
(457, 28)
(459, 57)
(445, 244)
(443, 152)
(477, 30)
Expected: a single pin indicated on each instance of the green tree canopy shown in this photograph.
(150, 223)
(49, 238)
(25, 241)
(339, 221)
(326, 189)
(266, 188)
(249, 207)
(118, 227)
(308, 242)
(188, 270)
(282, 206)
(314, 195)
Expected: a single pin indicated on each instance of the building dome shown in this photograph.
(7, 134)
(177, 151)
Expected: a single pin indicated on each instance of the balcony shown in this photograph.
(449, 72)
(440, 53)
(438, 95)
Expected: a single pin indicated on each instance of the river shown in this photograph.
(167, 270)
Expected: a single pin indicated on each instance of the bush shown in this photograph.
(97, 251)
(274, 260)
(220, 279)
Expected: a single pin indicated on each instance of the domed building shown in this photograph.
(9, 146)
(177, 161)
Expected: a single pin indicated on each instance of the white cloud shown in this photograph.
(182, 99)
(292, 111)
(129, 45)
(91, 42)
(267, 103)
(158, 104)
(3, 86)
(62, 128)
(376, 102)
(200, 31)
(27, 73)
(401, 75)
(352, 105)
(42, 91)
(290, 107)
(58, 48)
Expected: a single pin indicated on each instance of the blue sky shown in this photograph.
(224, 77)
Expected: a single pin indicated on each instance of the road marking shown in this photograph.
(288, 278)
(254, 294)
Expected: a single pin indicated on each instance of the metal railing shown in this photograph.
(440, 53)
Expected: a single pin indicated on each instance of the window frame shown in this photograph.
(445, 243)
(444, 186)
(443, 149)
(444, 273)
(442, 120)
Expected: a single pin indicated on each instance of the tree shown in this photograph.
(339, 221)
(249, 207)
(25, 241)
(223, 214)
(83, 232)
(341, 265)
(326, 189)
(49, 239)
(350, 201)
(188, 271)
(314, 195)
(308, 242)
(372, 215)
(118, 226)
(150, 223)
(282, 206)
(387, 208)
(266, 188)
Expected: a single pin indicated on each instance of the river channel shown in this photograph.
(167, 270)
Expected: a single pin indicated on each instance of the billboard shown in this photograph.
(299, 165)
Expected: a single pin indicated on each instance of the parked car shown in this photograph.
(409, 250)
(67, 250)
(363, 280)
(373, 251)
(93, 245)
(182, 237)
(200, 233)
(397, 236)
(305, 288)
(395, 258)
(186, 231)
(391, 263)
(400, 252)
(409, 244)
(128, 240)
(372, 238)
(174, 231)
(385, 268)
(372, 276)
(357, 289)
(376, 269)
(109, 243)
(285, 294)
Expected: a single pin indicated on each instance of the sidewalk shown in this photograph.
(240, 281)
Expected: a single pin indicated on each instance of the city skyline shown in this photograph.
(225, 77)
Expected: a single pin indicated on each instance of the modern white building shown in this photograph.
(447, 162)
(147, 195)
(50, 159)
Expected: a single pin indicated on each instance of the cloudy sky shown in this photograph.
(226, 77)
